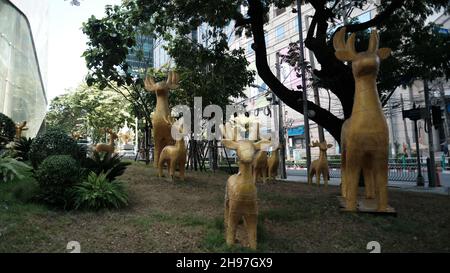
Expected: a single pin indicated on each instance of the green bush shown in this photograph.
(22, 148)
(11, 169)
(54, 142)
(25, 190)
(97, 192)
(107, 164)
(56, 177)
(7, 130)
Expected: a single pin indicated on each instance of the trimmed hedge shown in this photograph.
(53, 142)
(56, 177)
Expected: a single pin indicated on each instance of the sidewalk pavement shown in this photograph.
(396, 185)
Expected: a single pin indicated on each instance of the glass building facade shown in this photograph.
(141, 56)
(22, 88)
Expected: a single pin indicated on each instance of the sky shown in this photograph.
(66, 67)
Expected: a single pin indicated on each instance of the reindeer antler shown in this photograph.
(345, 51)
(172, 80)
(229, 136)
(315, 144)
(149, 84)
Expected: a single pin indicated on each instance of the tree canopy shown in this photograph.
(89, 110)
(419, 50)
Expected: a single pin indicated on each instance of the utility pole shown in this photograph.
(281, 130)
(444, 106)
(393, 132)
(408, 141)
(304, 87)
(432, 174)
(315, 89)
(416, 114)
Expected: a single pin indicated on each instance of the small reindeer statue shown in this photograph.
(260, 166)
(365, 135)
(173, 155)
(273, 162)
(107, 148)
(161, 130)
(241, 194)
(76, 135)
(320, 166)
(20, 127)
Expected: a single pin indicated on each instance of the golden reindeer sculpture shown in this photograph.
(273, 162)
(365, 135)
(161, 130)
(260, 166)
(241, 193)
(173, 155)
(107, 148)
(20, 127)
(320, 166)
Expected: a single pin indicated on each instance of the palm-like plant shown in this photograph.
(111, 165)
(22, 148)
(11, 169)
(97, 192)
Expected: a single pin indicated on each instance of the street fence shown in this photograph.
(400, 170)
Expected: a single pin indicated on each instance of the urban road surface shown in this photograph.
(399, 181)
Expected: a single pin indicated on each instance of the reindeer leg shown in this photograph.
(381, 181)
(233, 221)
(352, 174)
(251, 221)
(182, 167)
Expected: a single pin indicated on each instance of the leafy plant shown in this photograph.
(22, 148)
(53, 142)
(7, 130)
(11, 169)
(97, 192)
(56, 177)
(106, 163)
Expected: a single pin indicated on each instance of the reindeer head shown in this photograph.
(113, 136)
(162, 88)
(245, 149)
(323, 146)
(363, 63)
(178, 131)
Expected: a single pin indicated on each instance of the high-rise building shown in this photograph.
(141, 56)
(23, 61)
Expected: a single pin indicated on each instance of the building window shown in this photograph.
(280, 32)
(249, 48)
(296, 29)
(266, 38)
(278, 12)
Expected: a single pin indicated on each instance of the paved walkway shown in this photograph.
(296, 177)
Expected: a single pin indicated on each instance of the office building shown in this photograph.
(23, 61)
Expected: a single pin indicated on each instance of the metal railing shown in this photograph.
(400, 170)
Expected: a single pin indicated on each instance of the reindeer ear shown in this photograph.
(384, 53)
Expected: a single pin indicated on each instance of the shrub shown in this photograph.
(56, 177)
(25, 190)
(7, 130)
(22, 148)
(112, 166)
(97, 192)
(11, 169)
(54, 142)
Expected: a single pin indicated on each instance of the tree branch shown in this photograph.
(292, 98)
(377, 20)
